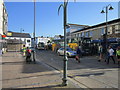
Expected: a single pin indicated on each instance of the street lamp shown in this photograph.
(21, 30)
(64, 83)
(34, 29)
(108, 7)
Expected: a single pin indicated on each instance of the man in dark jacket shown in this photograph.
(78, 51)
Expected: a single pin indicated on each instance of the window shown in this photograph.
(91, 33)
(86, 34)
(116, 27)
(102, 31)
(82, 34)
(28, 40)
(79, 34)
(110, 30)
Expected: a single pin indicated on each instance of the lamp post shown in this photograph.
(108, 7)
(21, 30)
(34, 29)
(64, 83)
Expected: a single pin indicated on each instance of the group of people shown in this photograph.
(111, 53)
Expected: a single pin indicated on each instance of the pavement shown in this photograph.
(17, 74)
(47, 73)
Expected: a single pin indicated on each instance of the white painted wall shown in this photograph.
(1, 16)
(27, 44)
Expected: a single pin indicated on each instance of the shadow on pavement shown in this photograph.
(18, 78)
(86, 75)
(34, 68)
(48, 86)
(13, 63)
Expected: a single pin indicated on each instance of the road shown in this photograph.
(87, 74)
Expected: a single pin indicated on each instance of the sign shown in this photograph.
(3, 36)
(9, 34)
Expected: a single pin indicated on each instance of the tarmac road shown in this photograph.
(87, 74)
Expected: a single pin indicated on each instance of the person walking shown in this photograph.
(110, 54)
(100, 53)
(24, 50)
(28, 55)
(78, 51)
(118, 55)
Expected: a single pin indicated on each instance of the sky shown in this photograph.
(48, 22)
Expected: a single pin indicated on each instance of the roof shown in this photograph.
(78, 25)
(16, 34)
(98, 25)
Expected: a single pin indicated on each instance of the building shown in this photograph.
(3, 25)
(3, 18)
(44, 40)
(73, 28)
(96, 32)
(15, 41)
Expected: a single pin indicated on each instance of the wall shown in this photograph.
(1, 16)
(113, 32)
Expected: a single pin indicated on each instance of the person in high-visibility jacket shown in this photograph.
(24, 50)
(118, 55)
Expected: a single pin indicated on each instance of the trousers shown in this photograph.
(111, 58)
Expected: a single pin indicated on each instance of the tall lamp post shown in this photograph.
(108, 7)
(21, 30)
(34, 29)
(64, 83)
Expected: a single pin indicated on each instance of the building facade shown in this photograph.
(96, 32)
(3, 25)
(3, 18)
(74, 28)
(15, 41)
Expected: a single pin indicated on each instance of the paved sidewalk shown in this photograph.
(17, 74)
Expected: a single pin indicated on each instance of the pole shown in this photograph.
(20, 37)
(65, 56)
(34, 30)
(106, 43)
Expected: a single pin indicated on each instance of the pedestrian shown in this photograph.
(28, 54)
(78, 51)
(110, 54)
(24, 50)
(118, 55)
(100, 51)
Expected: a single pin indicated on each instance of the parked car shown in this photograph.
(69, 52)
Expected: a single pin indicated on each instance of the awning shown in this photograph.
(110, 40)
(96, 41)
